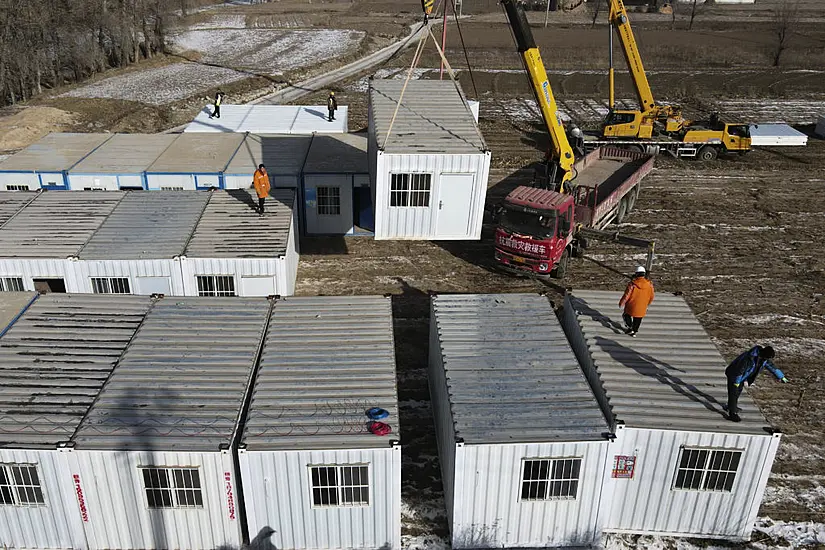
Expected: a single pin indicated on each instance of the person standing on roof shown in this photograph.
(218, 100)
(743, 371)
(332, 106)
(261, 183)
(636, 298)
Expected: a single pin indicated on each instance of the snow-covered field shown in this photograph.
(160, 85)
(267, 51)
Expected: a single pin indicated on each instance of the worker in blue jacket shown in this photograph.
(743, 371)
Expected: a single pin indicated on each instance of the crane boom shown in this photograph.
(620, 22)
(562, 152)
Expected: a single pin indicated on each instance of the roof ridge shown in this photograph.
(36, 195)
(197, 223)
(112, 211)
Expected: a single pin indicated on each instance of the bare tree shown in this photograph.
(693, 13)
(673, 10)
(596, 14)
(785, 18)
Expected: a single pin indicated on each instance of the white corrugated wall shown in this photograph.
(34, 268)
(79, 182)
(119, 518)
(288, 267)
(488, 509)
(278, 495)
(57, 524)
(170, 181)
(81, 272)
(239, 268)
(422, 223)
(19, 178)
(649, 504)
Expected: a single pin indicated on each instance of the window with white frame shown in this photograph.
(340, 485)
(111, 285)
(20, 485)
(550, 478)
(410, 190)
(329, 201)
(172, 487)
(707, 469)
(11, 284)
(216, 285)
(14, 187)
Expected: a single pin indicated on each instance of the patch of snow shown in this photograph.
(800, 347)
(160, 85)
(429, 512)
(775, 318)
(221, 22)
(794, 534)
(268, 51)
(424, 542)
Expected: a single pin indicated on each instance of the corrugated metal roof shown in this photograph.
(326, 361)
(670, 377)
(54, 153)
(12, 201)
(231, 228)
(147, 225)
(283, 155)
(432, 118)
(338, 154)
(270, 119)
(181, 383)
(125, 154)
(56, 224)
(534, 197)
(11, 304)
(55, 359)
(197, 153)
(511, 374)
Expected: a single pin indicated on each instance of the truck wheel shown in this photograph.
(708, 153)
(561, 268)
(620, 215)
(631, 199)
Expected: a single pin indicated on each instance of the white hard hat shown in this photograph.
(641, 270)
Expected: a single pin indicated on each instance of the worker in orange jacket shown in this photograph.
(260, 180)
(636, 298)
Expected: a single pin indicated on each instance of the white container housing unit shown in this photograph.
(154, 452)
(314, 476)
(180, 243)
(336, 186)
(679, 466)
(271, 119)
(45, 163)
(428, 161)
(283, 156)
(55, 358)
(193, 161)
(120, 163)
(522, 441)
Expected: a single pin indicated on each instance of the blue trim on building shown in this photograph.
(19, 315)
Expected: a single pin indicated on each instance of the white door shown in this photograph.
(454, 204)
(257, 286)
(153, 285)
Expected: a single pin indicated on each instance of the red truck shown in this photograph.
(539, 229)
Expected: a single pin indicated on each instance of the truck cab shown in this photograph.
(627, 125)
(535, 231)
(731, 137)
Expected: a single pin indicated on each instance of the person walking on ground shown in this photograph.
(743, 371)
(636, 298)
(332, 106)
(261, 183)
(218, 100)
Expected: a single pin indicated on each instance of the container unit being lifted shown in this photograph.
(45, 164)
(428, 161)
(55, 359)
(679, 466)
(522, 441)
(193, 161)
(154, 452)
(185, 243)
(314, 476)
(283, 156)
(120, 163)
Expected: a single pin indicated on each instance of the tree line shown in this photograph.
(46, 43)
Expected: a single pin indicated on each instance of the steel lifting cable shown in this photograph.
(463, 47)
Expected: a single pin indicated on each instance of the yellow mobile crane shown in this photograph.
(560, 157)
(662, 126)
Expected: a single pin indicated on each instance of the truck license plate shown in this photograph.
(519, 260)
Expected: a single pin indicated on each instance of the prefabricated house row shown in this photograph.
(124, 430)
(429, 163)
(530, 459)
(271, 119)
(183, 243)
